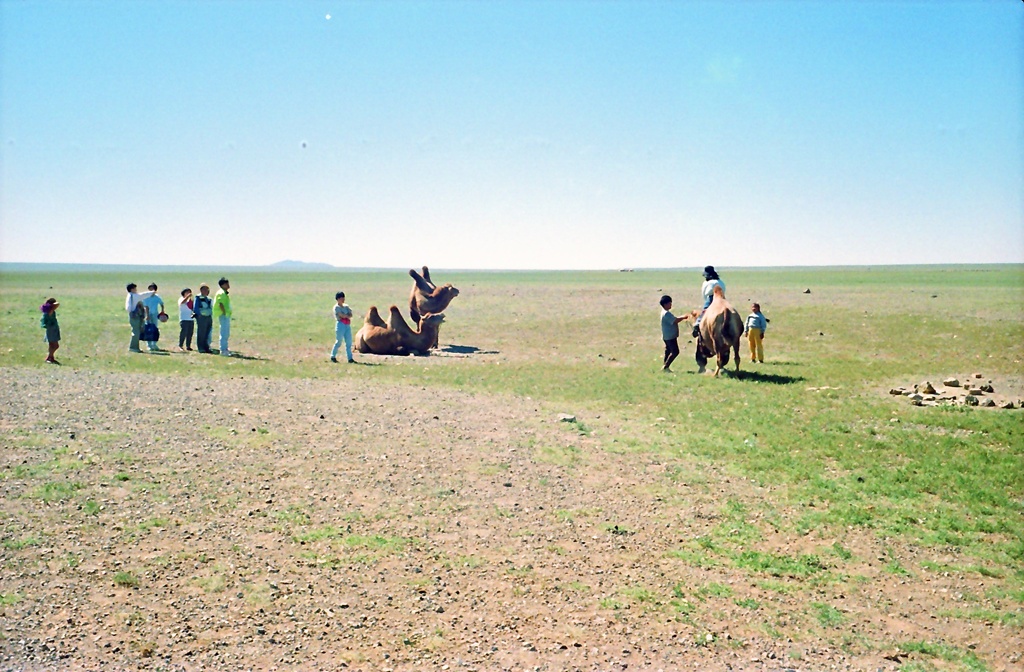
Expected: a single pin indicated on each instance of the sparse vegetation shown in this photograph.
(786, 508)
(126, 580)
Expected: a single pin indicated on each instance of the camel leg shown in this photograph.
(702, 359)
(421, 284)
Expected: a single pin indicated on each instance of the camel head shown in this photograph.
(431, 320)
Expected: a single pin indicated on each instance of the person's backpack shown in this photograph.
(206, 307)
(150, 333)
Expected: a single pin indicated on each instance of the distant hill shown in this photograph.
(292, 265)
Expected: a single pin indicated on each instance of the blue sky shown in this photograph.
(520, 135)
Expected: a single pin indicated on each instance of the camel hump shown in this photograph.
(718, 291)
(395, 319)
(373, 317)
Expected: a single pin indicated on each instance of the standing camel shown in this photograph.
(721, 328)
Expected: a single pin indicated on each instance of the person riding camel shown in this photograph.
(707, 290)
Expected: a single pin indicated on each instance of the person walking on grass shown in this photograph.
(186, 317)
(222, 309)
(342, 328)
(755, 327)
(202, 308)
(48, 321)
(669, 332)
(136, 309)
(154, 309)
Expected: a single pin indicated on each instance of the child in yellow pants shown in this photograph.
(755, 327)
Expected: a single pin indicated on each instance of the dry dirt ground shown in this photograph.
(165, 523)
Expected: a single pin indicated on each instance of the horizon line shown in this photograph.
(292, 267)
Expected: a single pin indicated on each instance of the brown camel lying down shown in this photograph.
(426, 297)
(721, 328)
(394, 337)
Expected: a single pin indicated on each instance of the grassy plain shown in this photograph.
(813, 425)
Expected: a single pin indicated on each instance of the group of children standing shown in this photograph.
(754, 327)
(195, 317)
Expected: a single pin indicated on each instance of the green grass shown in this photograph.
(126, 580)
(293, 515)
(827, 615)
(713, 590)
(24, 542)
(967, 660)
(151, 523)
(561, 456)
(639, 595)
(319, 534)
(55, 491)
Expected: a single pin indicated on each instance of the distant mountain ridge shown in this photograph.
(292, 264)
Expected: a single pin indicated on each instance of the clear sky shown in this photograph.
(518, 135)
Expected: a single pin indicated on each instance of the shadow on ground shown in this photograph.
(756, 376)
(466, 350)
(772, 378)
(255, 358)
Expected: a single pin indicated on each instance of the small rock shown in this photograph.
(925, 388)
(976, 375)
(916, 397)
(1008, 404)
(951, 382)
(988, 388)
(988, 403)
(807, 291)
(565, 417)
(971, 400)
(896, 391)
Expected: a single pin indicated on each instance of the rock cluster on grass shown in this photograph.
(971, 392)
